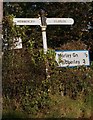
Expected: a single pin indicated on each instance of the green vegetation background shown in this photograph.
(27, 92)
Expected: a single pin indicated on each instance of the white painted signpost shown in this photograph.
(43, 22)
(59, 21)
(72, 58)
(64, 58)
(27, 21)
(49, 21)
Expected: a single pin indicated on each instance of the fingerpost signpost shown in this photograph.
(43, 21)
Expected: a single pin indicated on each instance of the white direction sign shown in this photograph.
(27, 21)
(59, 21)
(72, 58)
(17, 43)
(49, 21)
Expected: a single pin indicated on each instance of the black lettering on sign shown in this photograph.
(60, 55)
(84, 61)
(75, 55)
(86, 55)
(60, 58)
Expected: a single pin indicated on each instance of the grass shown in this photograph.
(60, 107)
(10, 114)
(63, 106)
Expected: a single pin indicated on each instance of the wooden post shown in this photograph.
(43, 28)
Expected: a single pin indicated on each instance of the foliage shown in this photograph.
(80, 12)
(25, 87)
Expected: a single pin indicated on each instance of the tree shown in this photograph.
(80, 12)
